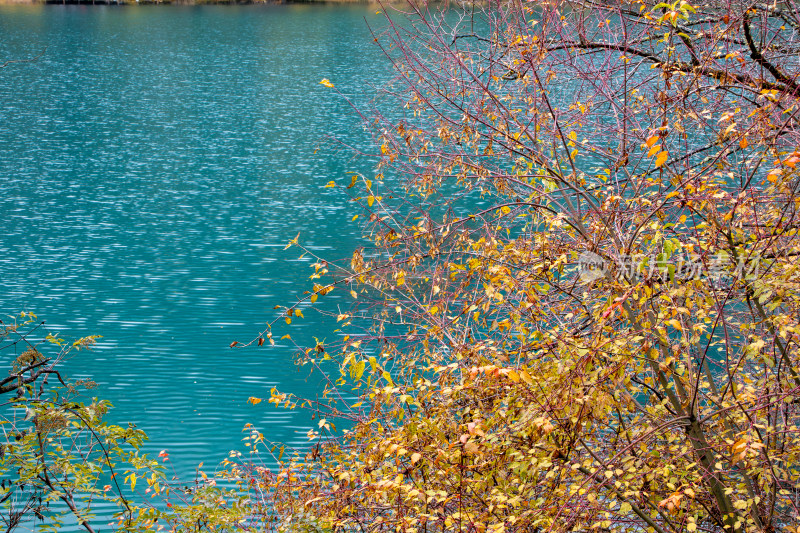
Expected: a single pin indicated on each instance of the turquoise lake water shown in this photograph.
(153, 164)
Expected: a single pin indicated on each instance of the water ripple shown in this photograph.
(153, 164)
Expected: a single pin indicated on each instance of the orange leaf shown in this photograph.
(661, 158)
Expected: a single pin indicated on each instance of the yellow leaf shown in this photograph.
(743, 143)
(353, 294)
(651, 140)
(653, 150)
(313, 298)
(353, 181)
(330, 184)
(400, 278)
(526, 377)
(312, 500)
(288, 320)
(415, 457)
(254, 400)
(292, 242)
(357, 370)
(471, 448)
(661, 158)
(326, 83)
(434, 309)
(738, 446)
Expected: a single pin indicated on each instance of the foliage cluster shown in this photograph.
(59, 459)
(62, 463)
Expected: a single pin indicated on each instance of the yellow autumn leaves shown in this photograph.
(655, 150)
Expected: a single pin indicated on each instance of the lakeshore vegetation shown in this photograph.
(577, 311)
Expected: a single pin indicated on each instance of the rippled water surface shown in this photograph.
(153, 164)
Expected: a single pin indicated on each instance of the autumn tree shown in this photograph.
(578, 310)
